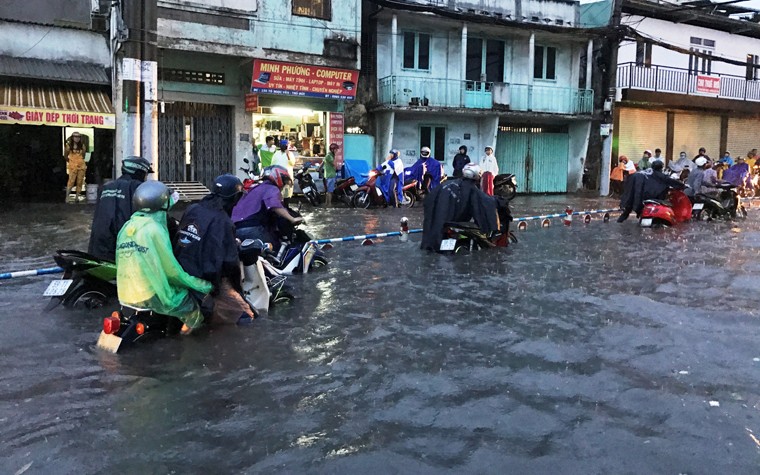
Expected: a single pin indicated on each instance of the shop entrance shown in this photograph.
(195, 142)
(305, 129)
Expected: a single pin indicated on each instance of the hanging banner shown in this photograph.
(708, 84)
(290, 79)
(27, 116)
(336, 132)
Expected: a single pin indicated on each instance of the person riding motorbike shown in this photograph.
(459, 200)
(147, 273)
(206, 248)
(114, 207)
(256, 214)
(702, 180)
(391, 183)
(682, 166)
(426, 170)
(650, 184)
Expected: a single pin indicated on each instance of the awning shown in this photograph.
(59, 71)
(56, 106)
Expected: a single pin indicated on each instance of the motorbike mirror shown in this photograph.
(246, 160)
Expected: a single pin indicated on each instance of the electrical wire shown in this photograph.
(38, 42)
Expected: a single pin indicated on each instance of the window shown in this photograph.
(753, 63)
(485, 60)
(435, 138)
(644, 54)
(545, 63)
(416, 51)
(184, 75)
(313, 8)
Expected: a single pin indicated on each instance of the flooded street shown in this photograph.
(599, 348)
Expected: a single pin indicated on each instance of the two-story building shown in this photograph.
(688, 76)
(507, 74)
(54, 80)
(232, 72)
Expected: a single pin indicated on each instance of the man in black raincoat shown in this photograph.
(651, 184)
(114, 207)
(459, 200)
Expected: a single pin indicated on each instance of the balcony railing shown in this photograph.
(430, 92)
(682, 81)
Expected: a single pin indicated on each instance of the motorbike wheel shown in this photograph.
(318, 262)
(741, 212)
(409, 199)
(281, 297)
(313, 198)
(362, 199)
(87, 298)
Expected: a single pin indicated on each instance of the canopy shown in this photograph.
(55, 105)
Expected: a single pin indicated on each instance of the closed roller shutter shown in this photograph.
(742, 136)
(692, 131)
(641, 130)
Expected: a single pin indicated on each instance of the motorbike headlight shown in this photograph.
(513, 180)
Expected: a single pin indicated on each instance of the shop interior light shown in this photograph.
(294, 111)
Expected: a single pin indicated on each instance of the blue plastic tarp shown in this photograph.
(359, 169)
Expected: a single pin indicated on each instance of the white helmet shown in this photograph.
(425, 151)
(701, 161)
(471, 171)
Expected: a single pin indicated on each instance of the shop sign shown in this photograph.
(708, 84)
(27, 116)
(290, 79)
(251, 103)
(336, 132)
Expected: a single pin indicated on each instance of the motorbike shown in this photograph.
(370, 194)
(505, 185)
(307, 185)
(665, 213)
(726, 206)
(345, 189)
(297, 252)
(87, 282)
(460, 237)
(263, 284)
(130, 325)
(252, 179)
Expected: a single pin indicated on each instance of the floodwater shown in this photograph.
(599, 348)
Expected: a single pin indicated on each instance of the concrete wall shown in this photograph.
(53, 43)
(727, 45)
(49, 12)
(576, 157)
(553, 9)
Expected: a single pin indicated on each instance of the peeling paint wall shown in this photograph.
(53, 43)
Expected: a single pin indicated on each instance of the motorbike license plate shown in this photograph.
(108, 342)
(448, 244)
(354, 187)
(379, 192)
(646, 222)
(58, 288)
(306, 190)
(698, 206)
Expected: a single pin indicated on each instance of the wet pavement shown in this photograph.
(599, 348)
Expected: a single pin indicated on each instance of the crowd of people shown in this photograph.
(651, 177)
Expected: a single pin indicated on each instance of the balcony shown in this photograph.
(429, 92)
(682, 81)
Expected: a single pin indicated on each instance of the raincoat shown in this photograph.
(423, 166)
(149, 276)
(394, 174)
(113, 210)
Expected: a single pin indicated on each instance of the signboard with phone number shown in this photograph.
(291, 79)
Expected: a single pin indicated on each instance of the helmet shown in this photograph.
(277, 175)
(133, 165)
(284, 143)
(648, 152)
(395, 153)
(701, 161)
(151, 196)
(227, 186)
(471, 172)
(425, 151)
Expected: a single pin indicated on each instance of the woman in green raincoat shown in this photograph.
(147, 273)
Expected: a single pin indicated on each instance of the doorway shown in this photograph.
(434, 136)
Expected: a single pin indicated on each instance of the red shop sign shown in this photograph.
(291, 79)
(336, 132)
(251, 103)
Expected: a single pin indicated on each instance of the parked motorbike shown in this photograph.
(307, 185)
(370, 194)
(505, 185)
(726, 206)
(460, 237)
(345, 188)
(87, 282)
(252, 179)
(663, 213)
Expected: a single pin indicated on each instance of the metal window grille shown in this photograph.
(184, 75)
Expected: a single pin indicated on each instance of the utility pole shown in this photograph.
(613, 42)
(131, 78)
(149, 77)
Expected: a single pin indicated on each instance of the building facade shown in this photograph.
(54, 80)
(511, 75)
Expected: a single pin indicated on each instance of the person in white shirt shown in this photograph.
(657, 157)
(287, 160)
(489, 169)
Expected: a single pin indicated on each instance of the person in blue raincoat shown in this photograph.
(391, 183)
(426, 170)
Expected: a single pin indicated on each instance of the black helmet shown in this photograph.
(133, 165)
(151, 196)
(227, 186)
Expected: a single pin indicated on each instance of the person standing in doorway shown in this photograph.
(286, 159)
(76, 166)
(489, 169)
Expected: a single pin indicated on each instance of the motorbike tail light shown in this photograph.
(111, 324)
(140, 328)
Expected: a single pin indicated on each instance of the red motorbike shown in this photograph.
(345, 188)
(369, 194)
(252, 179)
(663, 213)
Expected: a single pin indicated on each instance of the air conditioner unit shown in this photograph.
(500, 93)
